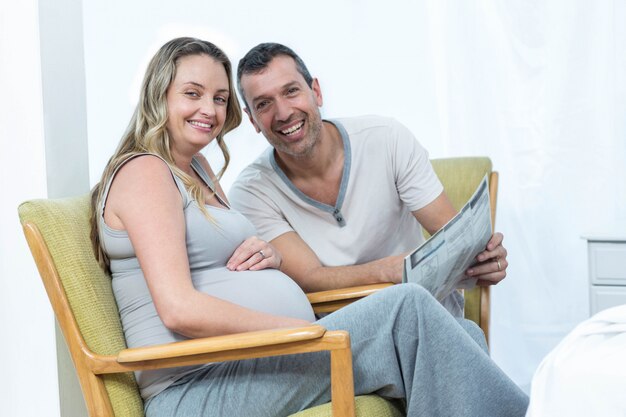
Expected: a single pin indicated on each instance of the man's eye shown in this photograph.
(292, 91)
(260, 105)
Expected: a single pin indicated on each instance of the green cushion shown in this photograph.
(64, 225)
(460, 177)
(366, 406)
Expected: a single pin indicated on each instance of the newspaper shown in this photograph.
(439, 264)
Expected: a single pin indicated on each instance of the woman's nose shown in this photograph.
(208, 108)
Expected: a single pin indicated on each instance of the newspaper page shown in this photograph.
(439, 264)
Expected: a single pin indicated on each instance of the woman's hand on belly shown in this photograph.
(254, 254)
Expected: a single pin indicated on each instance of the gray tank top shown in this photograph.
(209, 246)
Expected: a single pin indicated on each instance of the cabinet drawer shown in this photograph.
(607, 263)
(603, 297)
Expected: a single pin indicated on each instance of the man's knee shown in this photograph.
(411, 290)
(475, 332)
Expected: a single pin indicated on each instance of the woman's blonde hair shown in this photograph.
(147, 133)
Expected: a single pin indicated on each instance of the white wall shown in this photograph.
(358, 50)
(28, 386)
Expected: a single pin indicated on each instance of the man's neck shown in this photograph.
(318, 174)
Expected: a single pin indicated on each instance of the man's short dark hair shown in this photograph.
(259, 57)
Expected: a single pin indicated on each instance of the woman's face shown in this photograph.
(196, 103)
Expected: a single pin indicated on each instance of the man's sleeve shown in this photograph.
(261, 210)
(416, 181)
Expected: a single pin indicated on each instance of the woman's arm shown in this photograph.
(145, 201)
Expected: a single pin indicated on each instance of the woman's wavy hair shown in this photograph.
(147, 133)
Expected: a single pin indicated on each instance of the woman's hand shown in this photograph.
(254, 254)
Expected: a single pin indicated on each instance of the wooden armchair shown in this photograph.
(80, 293)
(460, 177)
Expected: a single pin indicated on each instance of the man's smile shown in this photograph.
(293, 129)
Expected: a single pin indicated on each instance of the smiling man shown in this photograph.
(344, 200)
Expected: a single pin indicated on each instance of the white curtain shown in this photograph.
(540, 87)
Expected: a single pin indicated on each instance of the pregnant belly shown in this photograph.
(269, 291)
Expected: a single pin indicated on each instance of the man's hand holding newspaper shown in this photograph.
(440, 263)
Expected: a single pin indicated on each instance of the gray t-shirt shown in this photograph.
(209, 246)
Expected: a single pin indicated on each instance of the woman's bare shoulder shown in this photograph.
(145, 174)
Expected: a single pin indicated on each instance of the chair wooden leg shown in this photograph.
(342, 380)
(485, 307)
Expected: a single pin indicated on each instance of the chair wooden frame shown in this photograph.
(91, 366)
(331, 300)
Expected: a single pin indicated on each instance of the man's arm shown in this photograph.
(303, 266)
(435, 214)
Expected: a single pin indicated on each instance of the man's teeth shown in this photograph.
(200, 124)
(292, 129)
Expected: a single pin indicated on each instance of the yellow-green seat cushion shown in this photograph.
(366, 406)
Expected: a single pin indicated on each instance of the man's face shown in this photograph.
(283, 107)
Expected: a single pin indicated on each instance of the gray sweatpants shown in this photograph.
(404, 345)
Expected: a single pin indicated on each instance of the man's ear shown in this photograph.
(317, 91)
(256, 127)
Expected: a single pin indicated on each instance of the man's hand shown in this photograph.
(390, 268)
(492, 263)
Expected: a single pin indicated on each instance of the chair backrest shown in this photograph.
(460, 177)
(82, 299)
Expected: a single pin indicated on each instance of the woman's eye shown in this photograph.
(192, 94)
(221, 100)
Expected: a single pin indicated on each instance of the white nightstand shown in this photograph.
(607, 271)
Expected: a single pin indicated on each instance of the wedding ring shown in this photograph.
(263, 257)
(499, 265)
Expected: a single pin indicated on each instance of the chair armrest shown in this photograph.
(332, 300)
(218, 348)
(239, 346)
(221, 343)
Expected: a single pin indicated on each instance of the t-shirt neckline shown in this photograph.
(345, 178)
